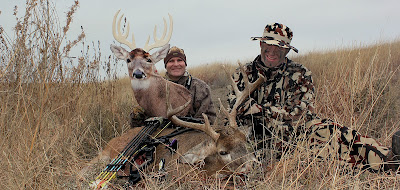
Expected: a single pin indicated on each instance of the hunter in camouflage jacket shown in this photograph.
(279, 116)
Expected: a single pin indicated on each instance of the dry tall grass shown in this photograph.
(358, 86)
(56, 114)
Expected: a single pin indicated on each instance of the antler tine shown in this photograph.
(155, 32)
(162, 41)
(118, 35)
(206, 127)
(230, 115)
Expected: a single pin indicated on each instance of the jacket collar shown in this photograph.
(182, 80)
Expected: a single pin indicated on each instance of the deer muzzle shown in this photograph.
(138, 74)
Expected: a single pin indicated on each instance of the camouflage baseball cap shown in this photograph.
(277, 34)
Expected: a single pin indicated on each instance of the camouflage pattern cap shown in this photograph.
(277, 34)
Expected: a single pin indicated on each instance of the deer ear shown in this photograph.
(160, 54)
(198, 153)
(119, 52)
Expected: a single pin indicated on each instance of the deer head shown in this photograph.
(140, 63)
(147, 84)
(228, 148)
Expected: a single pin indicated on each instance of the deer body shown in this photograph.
(226, 155)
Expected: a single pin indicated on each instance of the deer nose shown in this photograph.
(138, 74)
(249, 165)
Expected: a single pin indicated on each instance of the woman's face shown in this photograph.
(176, 67)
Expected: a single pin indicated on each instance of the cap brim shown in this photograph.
(275, 42)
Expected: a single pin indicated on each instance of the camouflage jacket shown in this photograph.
(201, 97)
(282, 103)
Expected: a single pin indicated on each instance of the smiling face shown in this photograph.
(272, 55)
(176, 67)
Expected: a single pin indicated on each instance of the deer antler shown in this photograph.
(163, 40)
(119, 36)
(122, 37)
(240, 95)
(206, 127)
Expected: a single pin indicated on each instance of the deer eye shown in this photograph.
(223, 153)
(128, 60)
(148, 60)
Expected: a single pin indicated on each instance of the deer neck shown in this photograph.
(150, 95)
(153, 100)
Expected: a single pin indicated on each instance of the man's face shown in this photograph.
(272, 55)
(176, 67)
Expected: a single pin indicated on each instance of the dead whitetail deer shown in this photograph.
(219, 149)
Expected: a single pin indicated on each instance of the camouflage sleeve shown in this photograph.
(203, 102)
(299, 99)
(296, 104)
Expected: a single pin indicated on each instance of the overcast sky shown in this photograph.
(219, 31)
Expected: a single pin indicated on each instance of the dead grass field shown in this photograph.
(57, 113)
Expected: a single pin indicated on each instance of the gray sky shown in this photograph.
(219, 31)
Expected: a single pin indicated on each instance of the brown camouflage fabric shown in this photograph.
(279, 115)
(201, 97)
(201, 101)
